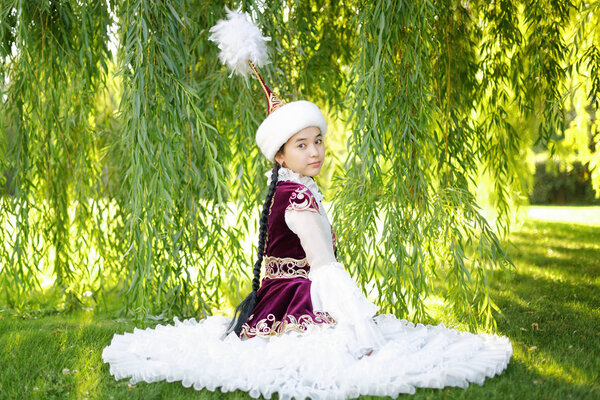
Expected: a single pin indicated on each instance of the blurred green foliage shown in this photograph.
(554, 185)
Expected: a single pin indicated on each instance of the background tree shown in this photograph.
(131, 178)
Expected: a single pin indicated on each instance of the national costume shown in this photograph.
(284, 302)
(312, 332)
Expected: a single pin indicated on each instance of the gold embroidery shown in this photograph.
(274, 102)
(278, 268)
(267, 232)
(303, 200)
(270, 327)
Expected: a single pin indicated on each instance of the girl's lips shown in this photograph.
(315, 164)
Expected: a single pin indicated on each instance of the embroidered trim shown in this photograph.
(275, 102)
(302, 200)
(286, 174)
(282, 268)
(267, 233)
(269, 326)
(333, 239)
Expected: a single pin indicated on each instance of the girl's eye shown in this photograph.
(319, 141)
(302, 145)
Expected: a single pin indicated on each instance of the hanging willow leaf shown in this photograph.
(135, 176)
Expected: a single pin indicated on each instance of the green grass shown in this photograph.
(551, 313)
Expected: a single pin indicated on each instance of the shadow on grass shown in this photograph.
(550, 308)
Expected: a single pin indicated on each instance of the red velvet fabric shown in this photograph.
(284, 303)
(281, 241)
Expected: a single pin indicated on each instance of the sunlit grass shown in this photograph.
(550, 312)
(550, 302)
(569, 214)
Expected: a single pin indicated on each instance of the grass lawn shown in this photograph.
(551, 313)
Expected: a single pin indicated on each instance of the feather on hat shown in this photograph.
(242, 47)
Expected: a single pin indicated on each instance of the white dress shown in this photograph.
(324, 362)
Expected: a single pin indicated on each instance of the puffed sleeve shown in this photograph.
(332, 288)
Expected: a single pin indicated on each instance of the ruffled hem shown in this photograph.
(317, 364)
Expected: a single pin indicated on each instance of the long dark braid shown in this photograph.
(244, 310)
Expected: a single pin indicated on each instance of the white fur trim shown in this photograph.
(239, 41)
(285, 122)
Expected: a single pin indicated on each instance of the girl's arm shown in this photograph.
(332, 288)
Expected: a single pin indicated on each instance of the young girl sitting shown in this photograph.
(303, 283)
(306, 330)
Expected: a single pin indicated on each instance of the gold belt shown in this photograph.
(281, 268)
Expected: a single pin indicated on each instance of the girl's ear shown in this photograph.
(279, 159)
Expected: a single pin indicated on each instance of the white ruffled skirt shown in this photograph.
(318, 364)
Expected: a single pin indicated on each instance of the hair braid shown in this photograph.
(243, 311)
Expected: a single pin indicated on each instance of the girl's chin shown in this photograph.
(312, 171)
(308, 170)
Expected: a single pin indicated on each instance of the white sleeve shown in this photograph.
(332, 288)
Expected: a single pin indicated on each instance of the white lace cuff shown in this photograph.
(334, 291)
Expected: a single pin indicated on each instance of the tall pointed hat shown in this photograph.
(243, 48)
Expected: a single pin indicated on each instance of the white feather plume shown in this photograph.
(239, 41)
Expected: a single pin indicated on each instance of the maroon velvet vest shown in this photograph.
(281, 241)
(283, 300)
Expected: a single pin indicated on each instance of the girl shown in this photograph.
(306, 330)
(298, 289)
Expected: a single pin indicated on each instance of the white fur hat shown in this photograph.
(242, 46)
(285, 122)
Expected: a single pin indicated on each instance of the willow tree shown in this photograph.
(132, 178)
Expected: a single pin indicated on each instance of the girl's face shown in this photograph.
(304, 152)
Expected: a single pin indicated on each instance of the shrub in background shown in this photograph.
(556, 185)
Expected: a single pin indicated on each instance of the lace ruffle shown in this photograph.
(286, 174)
(316, 364)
